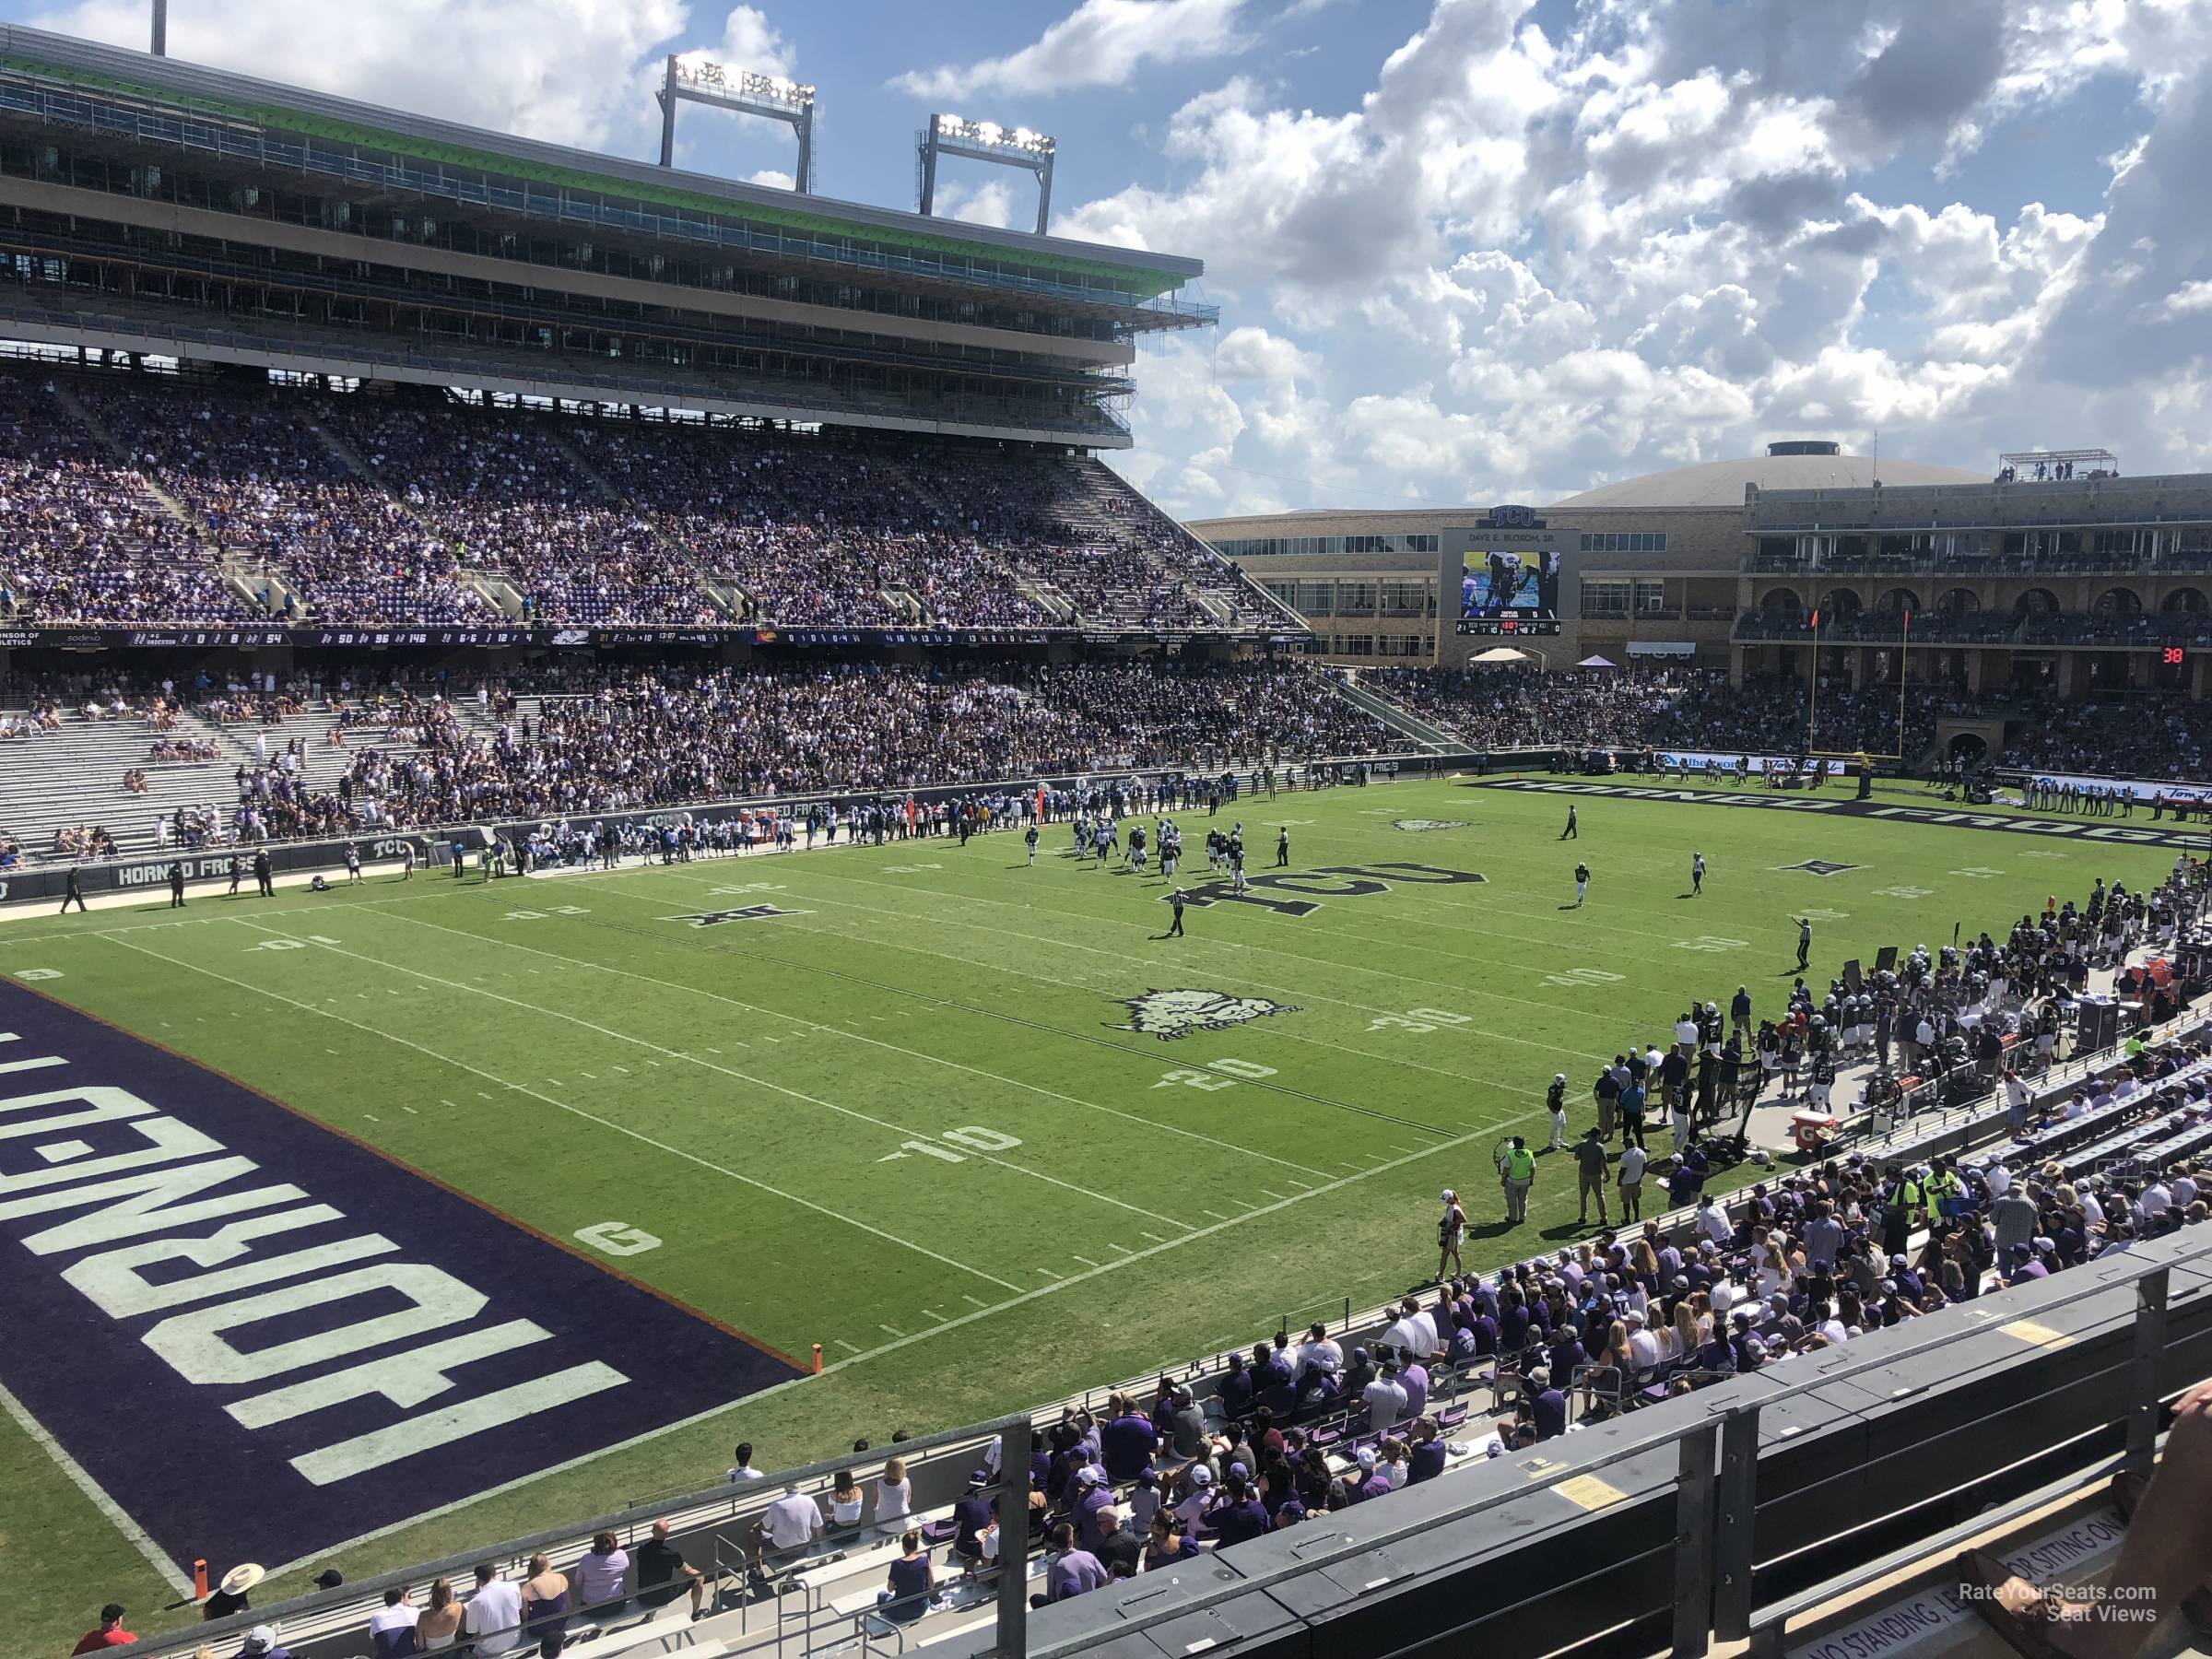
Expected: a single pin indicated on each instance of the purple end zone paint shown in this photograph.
(261, 1338)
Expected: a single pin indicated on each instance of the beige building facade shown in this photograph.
(1653, 565)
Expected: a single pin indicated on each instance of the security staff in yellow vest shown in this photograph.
(1904, 1207)
(1516, 1174)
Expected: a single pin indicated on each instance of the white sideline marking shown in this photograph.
(843, 1344)
(1085, 1260)
(892, 1329)
(1154, 1236)
(106, 1505)
(981, 1311)
(978, 1300)
(819, 1209)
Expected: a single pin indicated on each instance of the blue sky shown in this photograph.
(1470, 250)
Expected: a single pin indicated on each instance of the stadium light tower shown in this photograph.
(161, 27)
(747, 93)
(987, 141)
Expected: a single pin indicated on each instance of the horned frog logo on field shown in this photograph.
(1419, 826)
(1171, 1014)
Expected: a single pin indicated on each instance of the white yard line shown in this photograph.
(91, 1488)
(1335, 1045)
(796, 1094)
(692, 1158)
(1298, 956)
(1051, 1094)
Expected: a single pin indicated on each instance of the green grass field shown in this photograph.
(905, 1121)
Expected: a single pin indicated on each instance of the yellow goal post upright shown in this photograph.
(1812, 715)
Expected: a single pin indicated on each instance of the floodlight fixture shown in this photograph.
(1020, 146)
(745, 91)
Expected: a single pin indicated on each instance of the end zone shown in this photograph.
(257, 1339)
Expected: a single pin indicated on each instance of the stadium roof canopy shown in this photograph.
(317, 115)
(1720, 482)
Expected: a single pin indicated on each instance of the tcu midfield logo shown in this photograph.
(1330, 881)
(1171, 1014)
(751, 912)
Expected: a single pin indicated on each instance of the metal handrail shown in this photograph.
(1672, 1433)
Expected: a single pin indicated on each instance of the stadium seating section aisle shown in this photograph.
(87, 541)
(323, 758)
(133, 491)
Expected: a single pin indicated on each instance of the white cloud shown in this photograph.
(2188, 301)
(1100, 43)
(1525, 260)
(990, 203)
(563, 70)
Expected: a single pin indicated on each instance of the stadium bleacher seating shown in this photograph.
(2112, 1157)
(144, 499)
(637, 738)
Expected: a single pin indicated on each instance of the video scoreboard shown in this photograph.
(1507, 568)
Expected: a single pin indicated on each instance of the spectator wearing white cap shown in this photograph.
(1643, 1347)
(1197, 1500)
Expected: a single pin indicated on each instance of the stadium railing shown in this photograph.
(1691, 1572)
(41, 880)
(716, 1519)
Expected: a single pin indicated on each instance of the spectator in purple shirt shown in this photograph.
(2025, 1267)
(1072, 1571)
(1236, 1390)
(1426, 1461)
(1243, 1516)
(1126, 1442)
(1546, 1404)
(1374, 1482)
(1093, 1502)
(1413, 1380)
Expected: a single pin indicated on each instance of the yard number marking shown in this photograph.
(1218, 1073)
(973, 1136)
(618, 1238)
(1581, 976)
(1419, 1019)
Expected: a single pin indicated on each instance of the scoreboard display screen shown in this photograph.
(1503, 591)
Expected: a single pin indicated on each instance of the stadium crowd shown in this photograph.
(2153, 736)
(86, 540)
(1664, 706)
(350, 509)
(675, 736)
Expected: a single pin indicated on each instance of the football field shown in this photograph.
(359, 1228)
